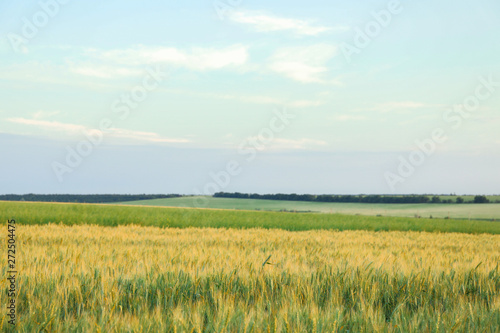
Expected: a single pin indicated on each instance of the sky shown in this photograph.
(196, 97)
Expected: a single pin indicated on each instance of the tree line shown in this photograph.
(109, 198)
(85, 198)
(389, 199)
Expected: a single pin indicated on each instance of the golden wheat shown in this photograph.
(133, 278)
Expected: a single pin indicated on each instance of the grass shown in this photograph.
(109, 215)
(462, 211)
(83, 278)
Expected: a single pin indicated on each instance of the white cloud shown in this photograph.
(280, 144)
(79, 130)
(44, 114)
(121, 133)
(254, 99)
(298, 71)
(34, 72)
(304, 143)
(406, 105)
(305, 103)
(303, 64)
(400, 107)
(264, 23)
(390, 106)
(196, 59)
(49, 125)
(423, 119)
(104, 72)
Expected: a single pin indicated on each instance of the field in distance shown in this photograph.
(454, 211)
(115, 215)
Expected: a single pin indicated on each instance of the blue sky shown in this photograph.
(209, 77)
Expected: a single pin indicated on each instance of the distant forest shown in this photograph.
(85, 198)
(389, 199)
(110, 198)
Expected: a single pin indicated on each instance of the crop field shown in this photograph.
(113, 215)
(462, 211)
(133, 278)
(110, 268)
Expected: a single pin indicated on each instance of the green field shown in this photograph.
(106, 268)
(454, 211)
(113, 215)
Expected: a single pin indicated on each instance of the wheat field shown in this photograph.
(133, 278)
